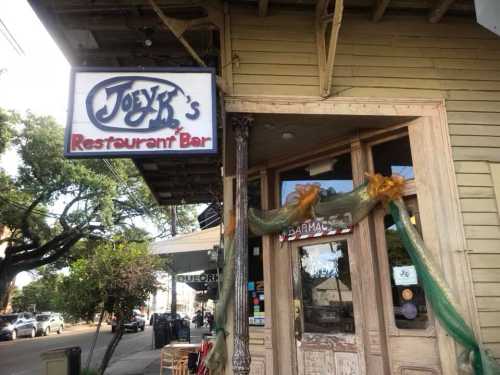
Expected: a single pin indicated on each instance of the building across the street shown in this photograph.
(330, 91)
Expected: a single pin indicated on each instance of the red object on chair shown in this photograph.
(204, 350)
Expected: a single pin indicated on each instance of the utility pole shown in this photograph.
(173, 232)
(241, 355)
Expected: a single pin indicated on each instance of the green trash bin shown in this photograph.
(63, 361)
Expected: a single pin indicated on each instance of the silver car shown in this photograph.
(49, 322)
(16, 325)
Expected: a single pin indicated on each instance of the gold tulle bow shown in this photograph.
(306, 197)
(383, 188)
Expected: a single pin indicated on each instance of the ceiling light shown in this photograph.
(148, 42)
(287, 136)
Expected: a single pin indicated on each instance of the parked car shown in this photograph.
(136, 323)
(48, 322)
(16, 325)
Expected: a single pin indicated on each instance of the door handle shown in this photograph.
(296, 309)
(297, 312)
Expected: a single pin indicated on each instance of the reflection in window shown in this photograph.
(393, 157)
(333, 175)
(326, 288)
(408, 297)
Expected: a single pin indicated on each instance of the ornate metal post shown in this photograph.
(241, 355)
(173, 233)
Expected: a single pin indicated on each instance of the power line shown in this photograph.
(11, 39)
(129, 192)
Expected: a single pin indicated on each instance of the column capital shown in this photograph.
(241, 123)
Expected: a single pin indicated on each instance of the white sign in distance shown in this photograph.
(405, 275)
(203, 278)
(124, 112)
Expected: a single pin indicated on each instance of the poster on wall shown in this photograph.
(127, 112)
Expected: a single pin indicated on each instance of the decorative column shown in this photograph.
(173, 233)
(241, 355)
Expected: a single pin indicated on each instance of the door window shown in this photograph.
(326, 288)
(333, 175)
(408, 297)
(393, 158)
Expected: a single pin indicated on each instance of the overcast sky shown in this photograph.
(36, 80)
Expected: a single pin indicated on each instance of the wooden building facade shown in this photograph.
(335, 90)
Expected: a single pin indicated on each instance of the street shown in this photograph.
(22, 357)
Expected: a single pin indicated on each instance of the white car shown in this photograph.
(49, 322)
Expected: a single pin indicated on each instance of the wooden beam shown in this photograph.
(440, 10)
(177, 29)
(379, 9)
(326, 57)
(263, 7)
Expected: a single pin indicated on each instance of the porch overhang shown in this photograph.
(189, 252)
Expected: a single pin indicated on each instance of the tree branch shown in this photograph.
(51, 258)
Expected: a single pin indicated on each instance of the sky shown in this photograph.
(37, 80)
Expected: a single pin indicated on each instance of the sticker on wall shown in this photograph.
(405, 275)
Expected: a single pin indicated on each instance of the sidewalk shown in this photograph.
(147, 362)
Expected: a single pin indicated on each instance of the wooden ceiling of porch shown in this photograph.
(114, 33)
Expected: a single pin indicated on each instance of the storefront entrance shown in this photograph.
(336, 297)
(327, 299)
(348, 302)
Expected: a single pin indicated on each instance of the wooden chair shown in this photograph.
(181, 366)
(175, 359)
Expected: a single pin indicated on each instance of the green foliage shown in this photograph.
(119, 274)
(53, 202)
(42, 293)
(6, 130)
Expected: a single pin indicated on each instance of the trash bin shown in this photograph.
(159, 328)
(184, 332)
(63, 361)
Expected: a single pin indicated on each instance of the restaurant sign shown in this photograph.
(124, 112)
(203, 278)
(318, 227)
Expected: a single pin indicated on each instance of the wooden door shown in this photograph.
(410, 326)
(327, 309)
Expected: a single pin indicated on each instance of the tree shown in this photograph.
(120, 275)
(42, 294)
(55, 202)
(6, 130)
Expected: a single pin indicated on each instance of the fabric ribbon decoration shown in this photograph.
(305, 204)
(440, 296)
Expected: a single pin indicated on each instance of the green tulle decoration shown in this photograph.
(357, 204)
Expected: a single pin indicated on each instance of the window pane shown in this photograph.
(326, 288)
(393, 157)
(333, 175)
(256, 307)
(408, 297)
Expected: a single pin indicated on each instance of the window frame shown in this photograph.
(410, 191)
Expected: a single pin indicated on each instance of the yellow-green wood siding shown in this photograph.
(401, 57)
